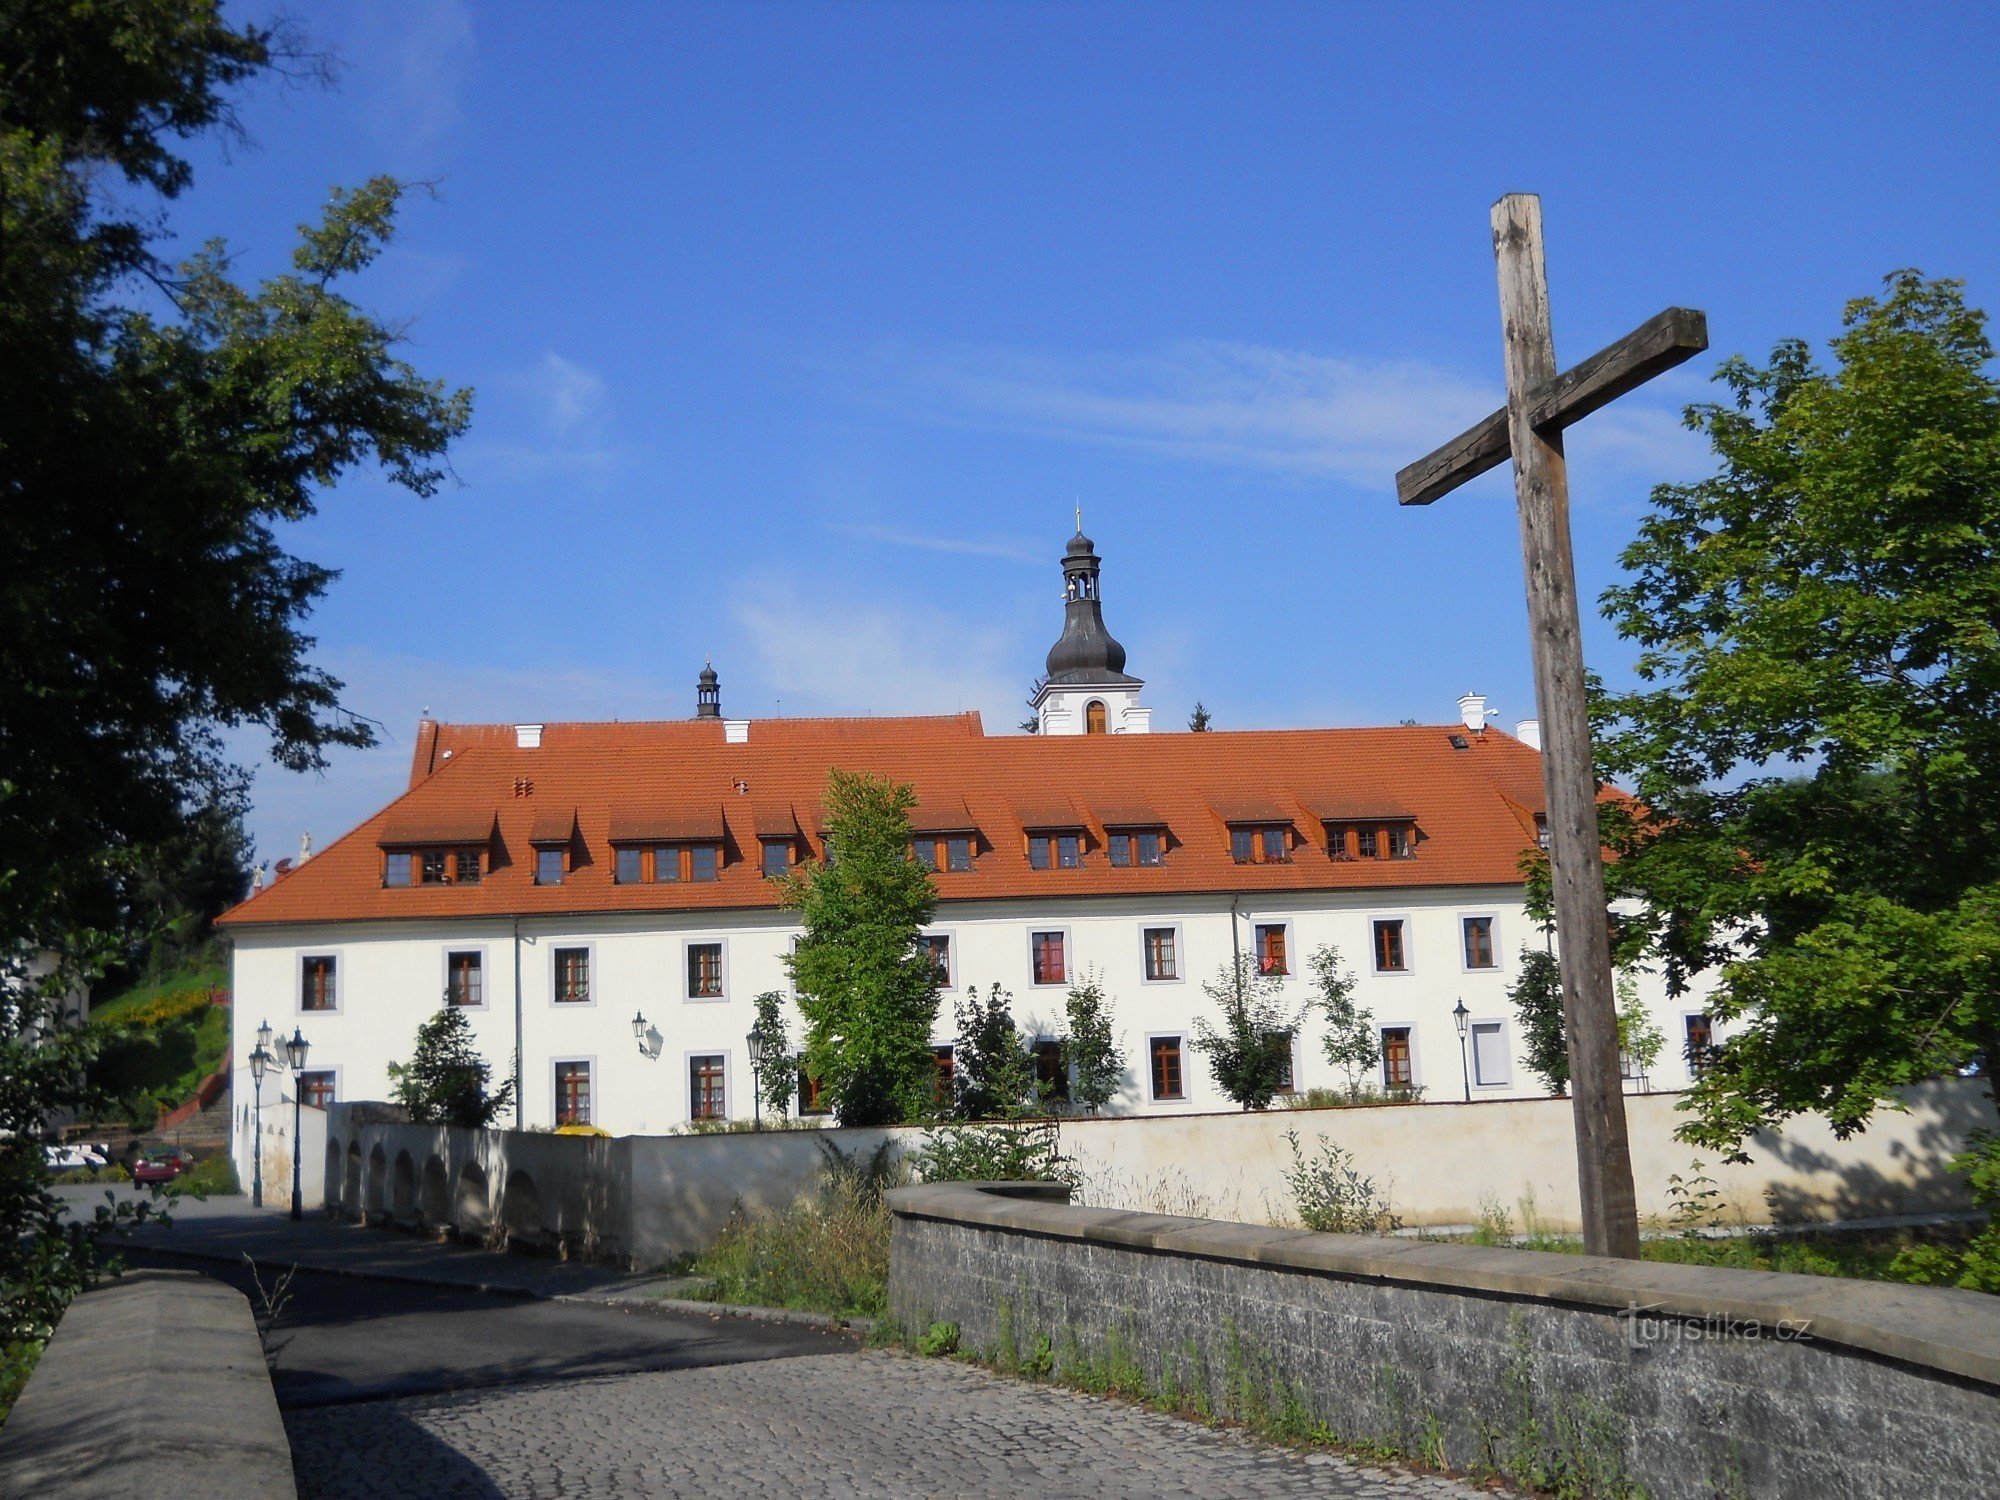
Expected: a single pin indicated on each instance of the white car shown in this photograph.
(74, 1158)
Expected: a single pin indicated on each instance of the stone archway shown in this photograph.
(434, 1203)
(350, 1187)
(378, 1184)
(472, 1214)
(403, 1190)
(521, 1209)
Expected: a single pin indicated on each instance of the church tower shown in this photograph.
(1087, 690)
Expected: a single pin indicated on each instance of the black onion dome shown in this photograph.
(1087, 653)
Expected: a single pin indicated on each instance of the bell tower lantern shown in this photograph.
(1087, 690)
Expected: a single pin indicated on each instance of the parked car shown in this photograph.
(79, 1157)
(161, 1165)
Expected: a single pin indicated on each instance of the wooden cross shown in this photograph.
(1540, 404)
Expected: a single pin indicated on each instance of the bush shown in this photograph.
(1027, 1152)
(1332, 1197)
(213, 1177)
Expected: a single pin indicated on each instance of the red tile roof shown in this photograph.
(1473, 808)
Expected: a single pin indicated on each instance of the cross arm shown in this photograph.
(1658, 344)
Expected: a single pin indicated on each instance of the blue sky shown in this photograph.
(798, 331)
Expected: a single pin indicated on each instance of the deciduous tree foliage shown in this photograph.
(1249, 1053)
(1097, 1065)
(1815, 741)
(1351, 1042)
(867, 991)
(993, 1072)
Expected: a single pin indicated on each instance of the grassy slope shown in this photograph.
(166, 1062)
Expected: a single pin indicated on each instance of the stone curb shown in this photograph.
(748, 1311)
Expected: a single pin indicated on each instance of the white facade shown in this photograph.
(1066, 710)
(390, 977)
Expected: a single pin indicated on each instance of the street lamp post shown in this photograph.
(1462, 1017)
(260, 1061)
(758, 1040)
(295, 1054)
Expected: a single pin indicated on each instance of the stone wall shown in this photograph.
(154, 1385)
(1692, 1381)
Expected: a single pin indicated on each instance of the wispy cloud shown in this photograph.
(1231, 404)
(1006, 550)
(558, 421)
(416, 89)
(859, 656)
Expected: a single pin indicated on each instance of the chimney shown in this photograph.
(708, 694)
(735, 731)
(528, 736)
(1472, 711)
(1529, 733)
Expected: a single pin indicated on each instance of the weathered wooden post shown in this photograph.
(1540, 404)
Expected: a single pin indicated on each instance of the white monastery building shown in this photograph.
(597, 896)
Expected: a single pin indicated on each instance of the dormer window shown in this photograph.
(1266, 845)
(777, 857)
(675, 863)
(1058, 851)
(408, 867)
(1401, 841)
(1541, 830)
(1350, 841)
(1145, 847)
(951, 853)
(550, 866)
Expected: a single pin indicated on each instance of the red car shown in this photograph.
(162, 1165)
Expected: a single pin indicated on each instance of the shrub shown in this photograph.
(1332, 1196)
(444, 1082)
(213, 1177)
(1026, 1152)
(938, 1340)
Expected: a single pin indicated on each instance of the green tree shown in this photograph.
(993, 1071)
(1198, 721)
(780, 1078)
(1096, 1064)
(1536, 995)
(866, 988)
(1351, 1042)
(1640, 1041)
(444, 1082)
(1251, 1051)
(1814, 741)
(158, 425)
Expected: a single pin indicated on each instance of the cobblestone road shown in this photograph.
(857, 1424)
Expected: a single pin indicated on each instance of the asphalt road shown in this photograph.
(340, 1339)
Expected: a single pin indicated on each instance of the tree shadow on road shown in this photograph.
(377, 1449)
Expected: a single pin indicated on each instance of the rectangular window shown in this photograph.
(1276, 847)
(572, 976)
(1038, 852)
(1402, 842)
(1336, 841)
(938, 946)
(666, 864)
(944, 1086)
(1051, 1072)
(1243, 845)
(1271, 955)
(1260, 846)
(1162, 955)
(1489, 1053)
(572, 1093)
(704, 861)
(1152, 849)
(812, 1093)
(1396, 1070)
(1367, 843)
(1164, 1056)
(463, 979)
(1700, 1045)
(1048, 958)
(1287, 1081)
(1137, 849)
(704, 971)
(1121, 850)
(316, 1088)
(318, 987)
(399, 870)
(1541, 830)
(926, 853)
(1389, 955)
(706, 1099)
(548, 867)
(777, 857)
(958, 855)
(1069, 852)
(434, 868)
(631, 866)
(467, 866)
(1478, 942)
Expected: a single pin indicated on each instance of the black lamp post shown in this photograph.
(758, 1040)
(1462, 1018)
(295, 1054)
(260, 1062)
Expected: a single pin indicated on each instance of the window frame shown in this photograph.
(1068, 957)
(485, 973)
(339, 957)
(1409, 945)
(1179, 1039)
(1062, 1072)
(1687, 1059)
(1284, 924)
(784, 848)
(687, 1078)
(721, 945)
(1472, 1026)
(1382, 1030)
(542, 852)
(409, 860)
(950, 980)
(1291, 1084)
(1492, 921)
(325, 1070)
(589, 1064)
(1180, 953)
(806, 1086)
(556, 949)
(634, 852)
(1259, 840)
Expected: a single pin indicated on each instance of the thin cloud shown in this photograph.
(1235, 405)
(1004, 550)
(559, 417)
